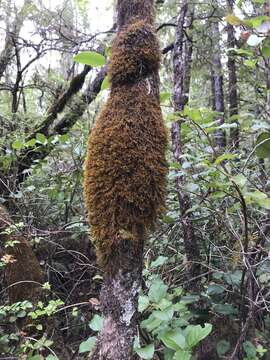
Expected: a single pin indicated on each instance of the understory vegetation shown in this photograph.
(206, 264)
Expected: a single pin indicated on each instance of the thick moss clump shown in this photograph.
(135, 54)
(125, 170)
(23, 273)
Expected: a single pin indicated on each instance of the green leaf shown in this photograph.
(233, 278)
(240, 180)
(17, 145)
(225, 309)
(250, 63)
(164, 304)
(87, 345)
(233, 19)
(143, 303)
(105, 83)
(21, 314)
(222, 347)
(96, 323)
(265, 203)
(164, 315)
(31, 142)
(40, 138)
(223, 157)
(164, 97)
(168, 354)
(196, 333)
(266, 47)
(151, 323)
(159, 261)
(263, 145)
(90, 58)
(146, 352)
(182, 355)
(250, 349)
(257, 21)
(157, 291)
(215, 289)
(189, 299)
(259, 198)
(241, 52)
(51, 357)
(174, 340)
(64, 138)
(168, 219)
(266, 51)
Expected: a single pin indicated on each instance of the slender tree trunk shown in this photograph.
(120, 228)
(263, 172)
(11, 36)
(233, 96)
(267, 78)
(182, 59)
(217, 81)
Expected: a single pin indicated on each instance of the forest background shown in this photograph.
(206, 274)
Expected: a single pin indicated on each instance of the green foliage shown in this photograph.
(228, 189)
(252, 352)
(87, 345)
(96, 323)
(90, 58)
(105, 83)
(167, 320)
(263, 145)
(145, 352)
(21, 345)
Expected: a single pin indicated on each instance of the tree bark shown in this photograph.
(119, 305)
(120, 291)
(182, 60)
(233, 96)
(217, 81)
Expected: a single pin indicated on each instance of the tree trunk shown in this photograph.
(233, 96)
(119, 305)
(11, 36)
(217, 81)
(125, 174)
(182, 59)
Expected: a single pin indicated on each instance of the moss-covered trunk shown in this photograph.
(23, 274)
(125, 174)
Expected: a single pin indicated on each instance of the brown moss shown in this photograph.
(24, 275)
(135, 9)
(135, 54)
(125, 169)
(125, 166)
(23, 272)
